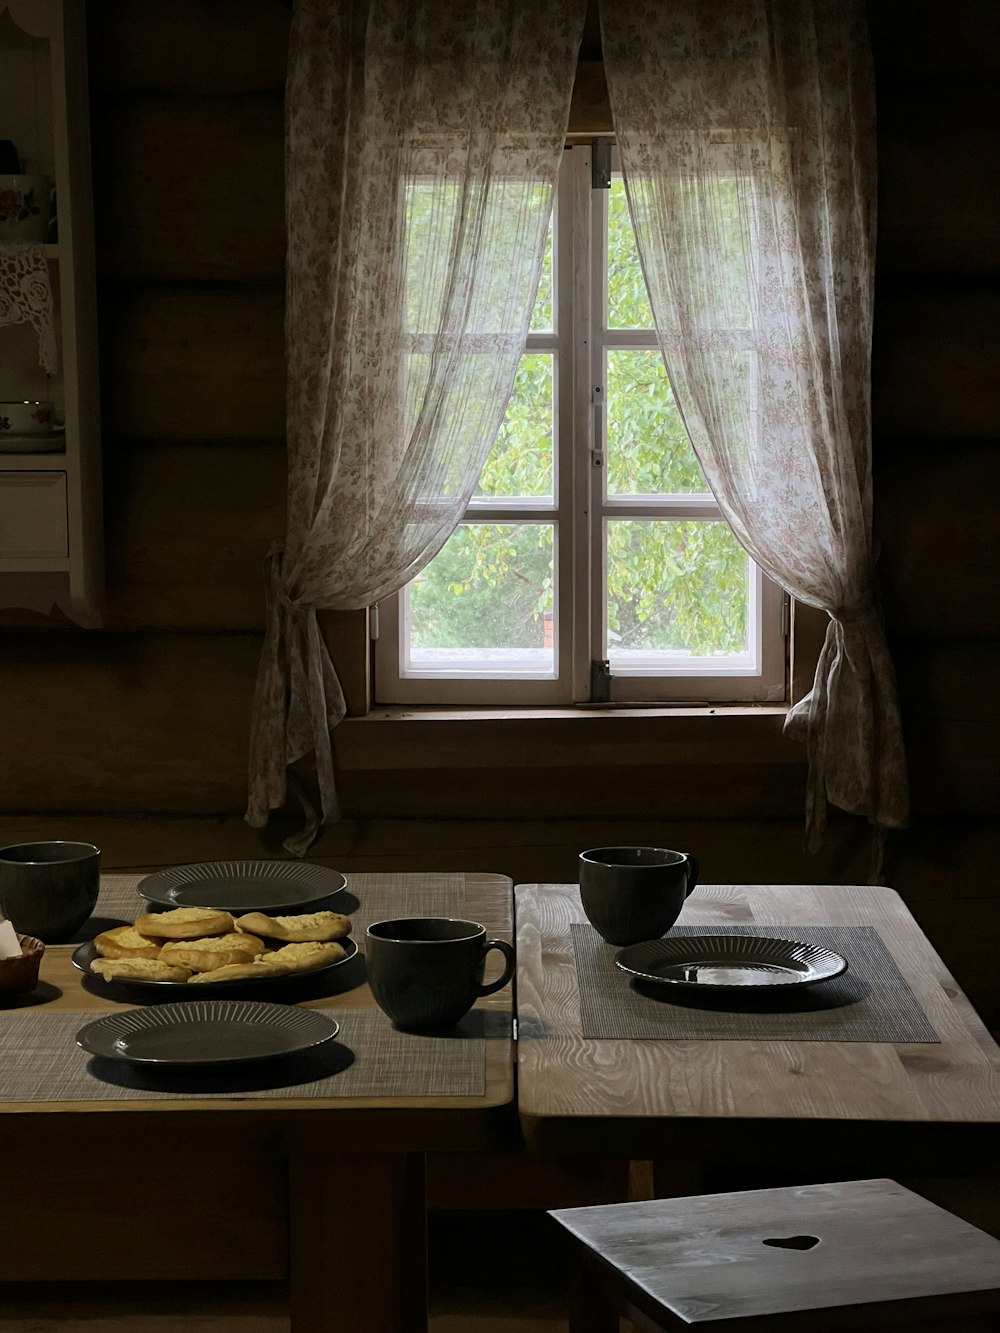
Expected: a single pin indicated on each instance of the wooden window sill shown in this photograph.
(474, 738)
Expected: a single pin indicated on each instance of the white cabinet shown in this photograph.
(51, 549)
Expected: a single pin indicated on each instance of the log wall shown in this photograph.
(136, 735)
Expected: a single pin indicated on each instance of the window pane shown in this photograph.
(648, 449)
(628, 300)
(432, 212)
(541, 316)
(676, 588)
(520, 462)
(485, 603)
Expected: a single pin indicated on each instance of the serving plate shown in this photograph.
(206, 1032)
(85, 954)
(273, 887)
(729, 962)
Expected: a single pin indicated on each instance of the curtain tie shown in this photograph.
(853, 616)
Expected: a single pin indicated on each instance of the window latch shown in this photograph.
(597, 445)
(600, 164)
(600, 681)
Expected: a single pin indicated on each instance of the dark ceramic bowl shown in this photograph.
(49, 889)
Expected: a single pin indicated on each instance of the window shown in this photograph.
(592, 563)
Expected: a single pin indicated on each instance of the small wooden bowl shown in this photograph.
(18, 975)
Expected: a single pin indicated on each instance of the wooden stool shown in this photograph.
(866, 1254)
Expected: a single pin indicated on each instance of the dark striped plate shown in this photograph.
(729, 962)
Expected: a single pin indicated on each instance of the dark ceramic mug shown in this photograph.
(426, 972)
(49, 889)
(631, 894)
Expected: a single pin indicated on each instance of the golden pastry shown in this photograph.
(125, 942)
(218, 951)
(309, 927)
(138, 969)
(184, 923)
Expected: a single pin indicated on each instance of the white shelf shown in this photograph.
(34, 462)
(35, 564)
(44, 107)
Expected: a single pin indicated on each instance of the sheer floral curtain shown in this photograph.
(746, 131)
(423, 140)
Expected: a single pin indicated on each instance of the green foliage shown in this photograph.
(648, 449)
(520, 462)
(487, 588)
(628, 300)
(673, 586)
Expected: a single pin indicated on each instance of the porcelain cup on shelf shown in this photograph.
(25, 206)
(27, 417)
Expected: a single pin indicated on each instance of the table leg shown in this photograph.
(678, 1177)
(357, 1253)
(590, 1310)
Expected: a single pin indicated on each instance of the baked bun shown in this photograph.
(304, 957)
(257, 971)
(310, 926)
(208, 954)
(125, 942)
(184, 923)
(138, 969)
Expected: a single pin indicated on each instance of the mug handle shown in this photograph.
(508, 970)
(693, 876)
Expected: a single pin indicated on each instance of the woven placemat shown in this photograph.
(41, 1062)
(870, 1002)
(367, 898)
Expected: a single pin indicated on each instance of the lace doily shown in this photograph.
(26, 297)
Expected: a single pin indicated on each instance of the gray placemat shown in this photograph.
(870, 1002)
(367, 898)
(41, 1062)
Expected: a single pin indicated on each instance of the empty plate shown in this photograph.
(242, 886)
(206, 1032)
(729, 962)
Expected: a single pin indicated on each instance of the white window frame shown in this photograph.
(578, 344)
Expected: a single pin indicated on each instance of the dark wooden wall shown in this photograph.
(136, 736)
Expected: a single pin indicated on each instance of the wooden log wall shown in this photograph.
(136, 735)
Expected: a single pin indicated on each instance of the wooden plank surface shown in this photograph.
(119, 722)
(565, 1078)
(951, 715)
(198, 186)
(930, 500)
(188, 46)
(186, 530)
(942, 47)
(938, 187)
(192, 363)
(934, 358)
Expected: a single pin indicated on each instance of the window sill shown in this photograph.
(491, 738)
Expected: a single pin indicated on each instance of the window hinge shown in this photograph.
(373, 622)
(600, 682)
(786, 614)
(600, 164)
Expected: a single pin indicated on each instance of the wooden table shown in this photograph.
(806, 1106)
(328, 1193)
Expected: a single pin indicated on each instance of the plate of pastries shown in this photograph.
(216, 951)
